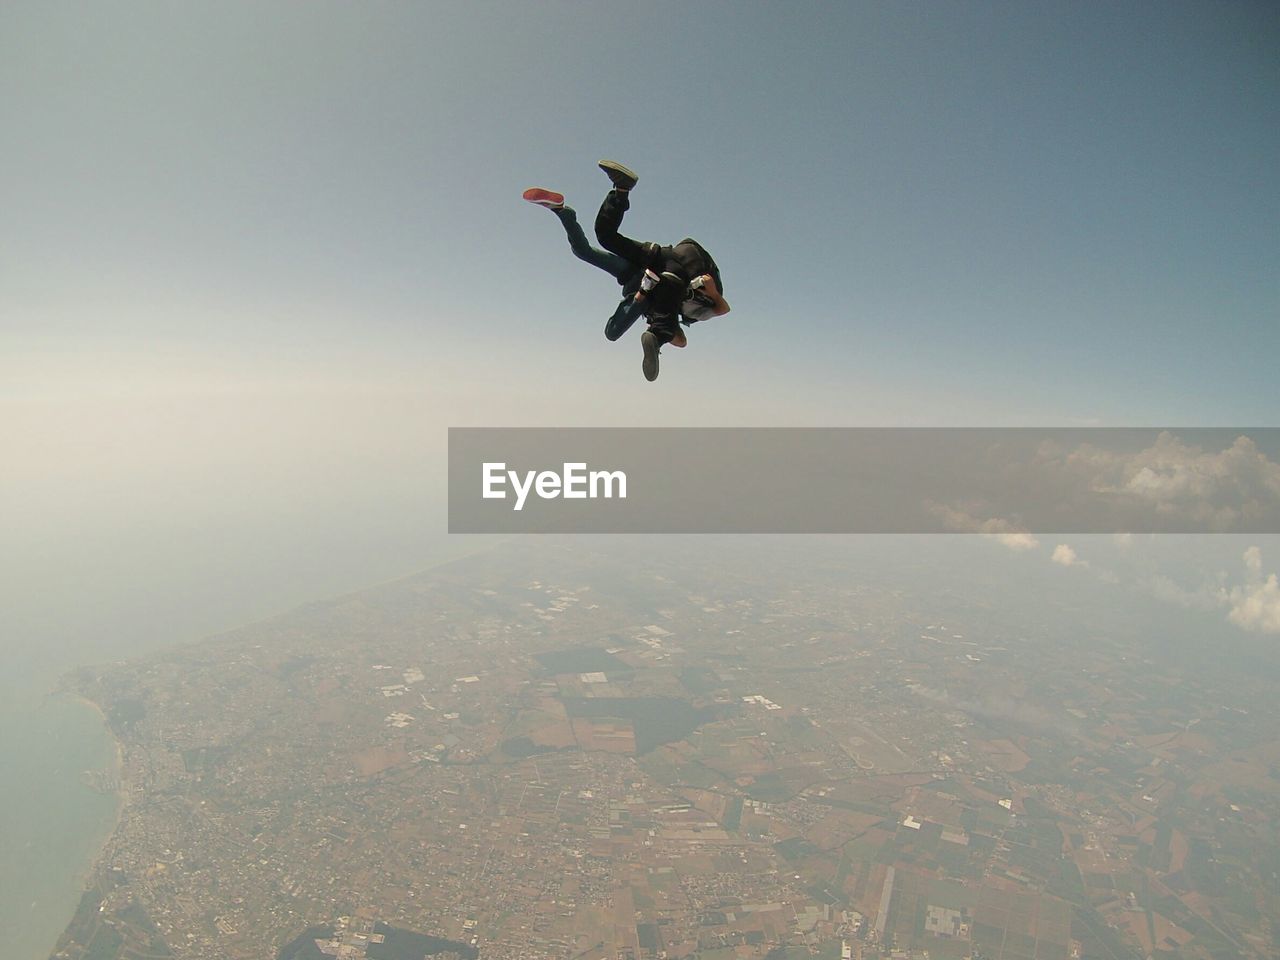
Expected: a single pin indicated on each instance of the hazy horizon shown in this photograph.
(258, 258)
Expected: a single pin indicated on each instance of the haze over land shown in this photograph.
(703, 748)
(257, 257)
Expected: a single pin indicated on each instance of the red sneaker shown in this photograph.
(544, 198)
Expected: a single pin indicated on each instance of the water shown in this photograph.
(52, 825)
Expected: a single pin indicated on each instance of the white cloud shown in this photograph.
(1256, 605)
(1016, 541)
(1226, 490)
(1066, 556)
(1127, 481)
(1253, 560)
(997, 528)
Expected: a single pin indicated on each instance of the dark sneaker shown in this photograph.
(621, 177)
(650, 365)
(544, 198)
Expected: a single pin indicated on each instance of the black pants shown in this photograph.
(641, 255)
(609, 219)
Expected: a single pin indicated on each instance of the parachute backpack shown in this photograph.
(690, 260)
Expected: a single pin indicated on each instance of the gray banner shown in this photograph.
(833, 480)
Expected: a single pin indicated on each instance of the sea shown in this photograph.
(54, 816)
(52, 823)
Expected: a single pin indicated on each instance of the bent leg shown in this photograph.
(628, 312)
(608, 220)
(667, 330)
(610, 263)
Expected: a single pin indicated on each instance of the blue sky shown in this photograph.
(256, 257)
(927, 213)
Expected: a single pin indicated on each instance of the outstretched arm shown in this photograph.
(719, 305)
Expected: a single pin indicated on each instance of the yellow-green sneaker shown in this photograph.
(621, 177)
(651, 347)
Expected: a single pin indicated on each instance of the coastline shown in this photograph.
(90, 871)
(117, 762)
(121, 793)
(85, 876)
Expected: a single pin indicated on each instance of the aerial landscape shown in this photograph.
(601, 481)
(687, 752)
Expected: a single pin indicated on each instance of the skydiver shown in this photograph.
(669, 285)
